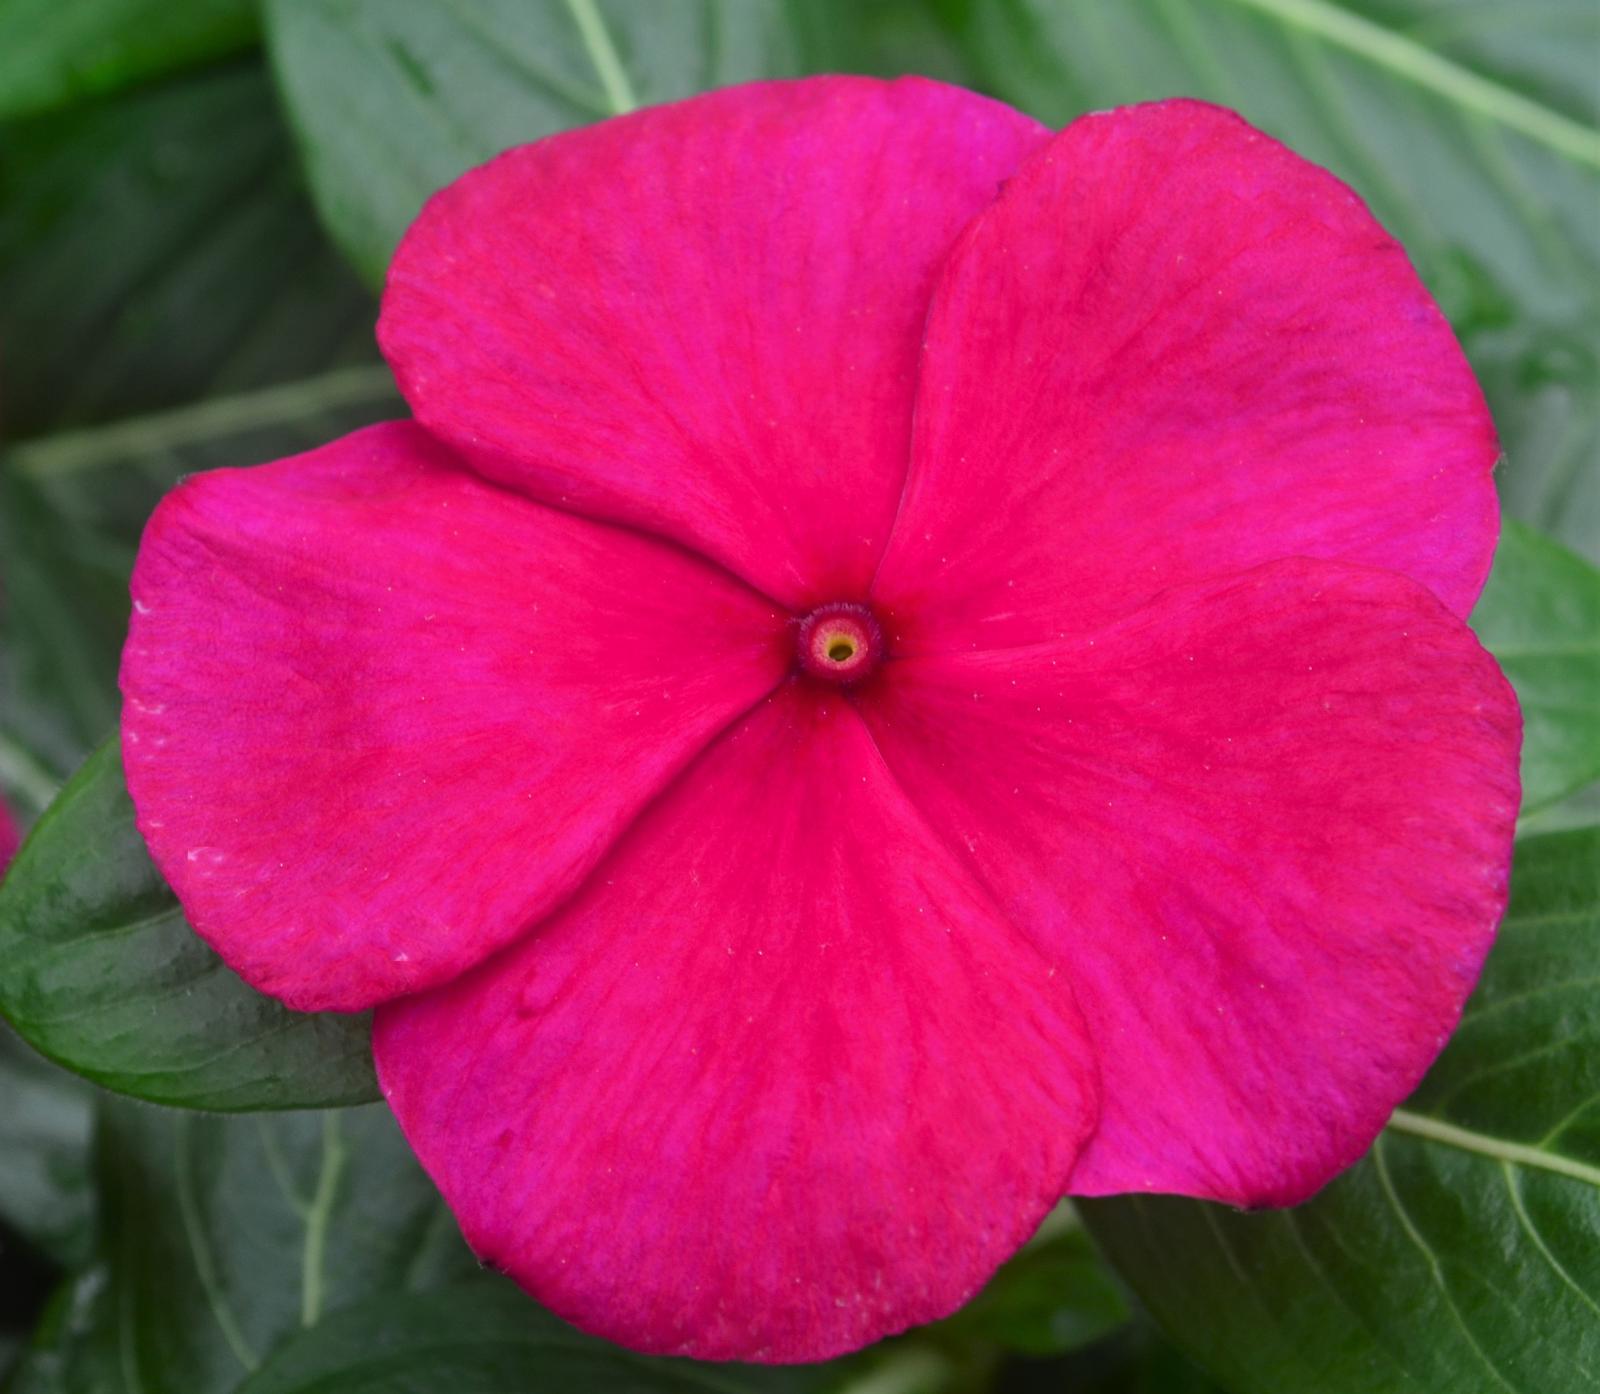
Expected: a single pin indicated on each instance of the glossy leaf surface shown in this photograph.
(1540, 617)
(225, 1238)
(99, 971)
(485, 1338)
(393, 99)
(1464, 1252)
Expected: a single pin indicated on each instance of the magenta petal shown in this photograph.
(704, 319)
(380, 716)
(778, 1082)
(10, 836)
(1264, 825)
(1171, 350)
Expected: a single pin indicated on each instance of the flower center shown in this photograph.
(839, 643)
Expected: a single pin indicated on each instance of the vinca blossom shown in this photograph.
(906, 666)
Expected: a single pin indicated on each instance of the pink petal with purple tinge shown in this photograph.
(380, 716)
(10, 836)
(778, 1082)
(704, 319)
(1264, 825)
(1173, 349)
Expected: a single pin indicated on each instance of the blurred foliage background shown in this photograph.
(197, 202)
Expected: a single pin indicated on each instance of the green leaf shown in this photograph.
(53, 53)
(308, 1252)
(1540, 617)
(227, 1237)
(487, 1338)
(63, 612)
(158, 248)
(1464, 1252)
(394, 98)
(1467, 127)
(72, 506)
(105, 479)
(100, 972)
(153, 248)
(1138, 1360)
(73, 1349)
(1054, 1296)
(1580, 810)
(44, 1141)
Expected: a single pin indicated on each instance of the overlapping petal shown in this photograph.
(380, 716)
(779, 1081)
(1264, 826)
(704, 318)
(1170, 350)
(1160, 854)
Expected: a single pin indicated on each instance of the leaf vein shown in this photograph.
(1388, 48)
(200, 1251)
(1532, 1231)
(1432, 1259)
(1498, 1149)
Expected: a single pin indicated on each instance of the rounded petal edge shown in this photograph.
(380, 716)
(704, 319)
(1171, 349)
(779, 1082)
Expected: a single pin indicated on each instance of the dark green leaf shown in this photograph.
(1054, 1296)
(1464, 1252)
(1137, 1360)
(104, 480)
(1158, 1369)
(308, 1252)
(74, 1346)
(158, 248)
(1468, 128)
(151, 249)
(1543, 382)
(53, 52)
(100, 972)
(71, 509)
(487, 1338)
(1540, 617)
(63, 612)
(394, 98)
(45, 1116)
(226, 1237)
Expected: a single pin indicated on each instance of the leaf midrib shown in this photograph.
(213, 419)
(1435, 73)
(1497, 1149)
(317, 1217)
(200, 1250)
(603, 55)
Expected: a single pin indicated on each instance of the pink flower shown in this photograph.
(10, 837)
(907, 666)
